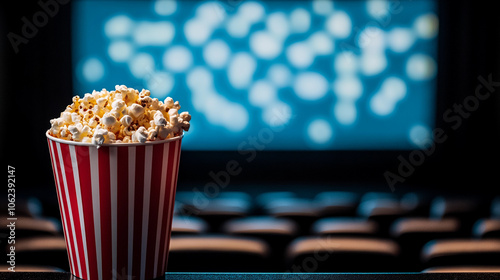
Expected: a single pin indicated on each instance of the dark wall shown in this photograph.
(36, 86)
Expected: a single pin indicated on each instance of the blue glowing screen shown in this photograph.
(292, 75)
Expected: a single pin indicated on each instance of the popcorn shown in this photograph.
(126, 120)
(78, 131)
(94, 121)
(56, 125)
(183, 120)
(108, 119)
(119, 106)
(169, 102)
(124, 115)
(140, 135)
(100, 137)
(66, 117)
(165, 132)
(136, 110)
(155, 104)
(75, 118)
(159, 119)
(185, 116)
(101, 102)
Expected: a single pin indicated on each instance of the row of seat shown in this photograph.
(412, 228)
(324, 204)
(402, 228)
(223, 253)
(337, 203)
(281, 231)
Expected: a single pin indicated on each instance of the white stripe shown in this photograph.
(94, 177)
(113, 177)
(131, 184)
(63, 213)
(76, 175)
(70, 212)
(160, 206)
(148, 163)
(171, 198)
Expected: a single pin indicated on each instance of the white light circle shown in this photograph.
(321, 43)
(142, 65)
(118, 26)
(279, 75)
(165, 7)
(345, 63)
(320, 131)
(394, 89)
(426, 26)
(210, 14)
(197, 32)
(400, 39)
(160, 84)
(420, 135)
(348, 88)
(277, 24)
(345, 112)
(372, 39)
(234, 116)
(177, 59)
(265, 45)
(310, 86)
(339, 25)
(200, 97)
(120, 51)
(216, 53)
(251, 11)
(300, 55)
(300, 20)
(241, 69)
(93, 70)
(262, 93)
(420, 67)
(377, 8)
(277, 114)
(154, 33)
(373, 63)
(381, 106)
(199, 79)
(237, 26)
(322, 7)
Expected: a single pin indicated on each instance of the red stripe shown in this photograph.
(138, 204)
(174, 186)
(57, 180)
(168, 206)
(156, 170)
(166, 167)
(73, 206)
(159, 165)
(169, 201)
(88, 216)
(65, 212)
(178, 164)
(122, 205)
(105, 210)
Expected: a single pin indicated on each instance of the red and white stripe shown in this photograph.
(116, 205)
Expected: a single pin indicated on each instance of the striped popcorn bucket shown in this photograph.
(116, 204)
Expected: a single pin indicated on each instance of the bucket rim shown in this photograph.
(147, 143)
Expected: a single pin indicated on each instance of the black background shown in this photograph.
(36, 85)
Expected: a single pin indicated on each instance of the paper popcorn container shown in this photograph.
(116, 204)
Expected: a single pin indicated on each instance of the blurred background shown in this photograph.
(306, 96)
(345, 87)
